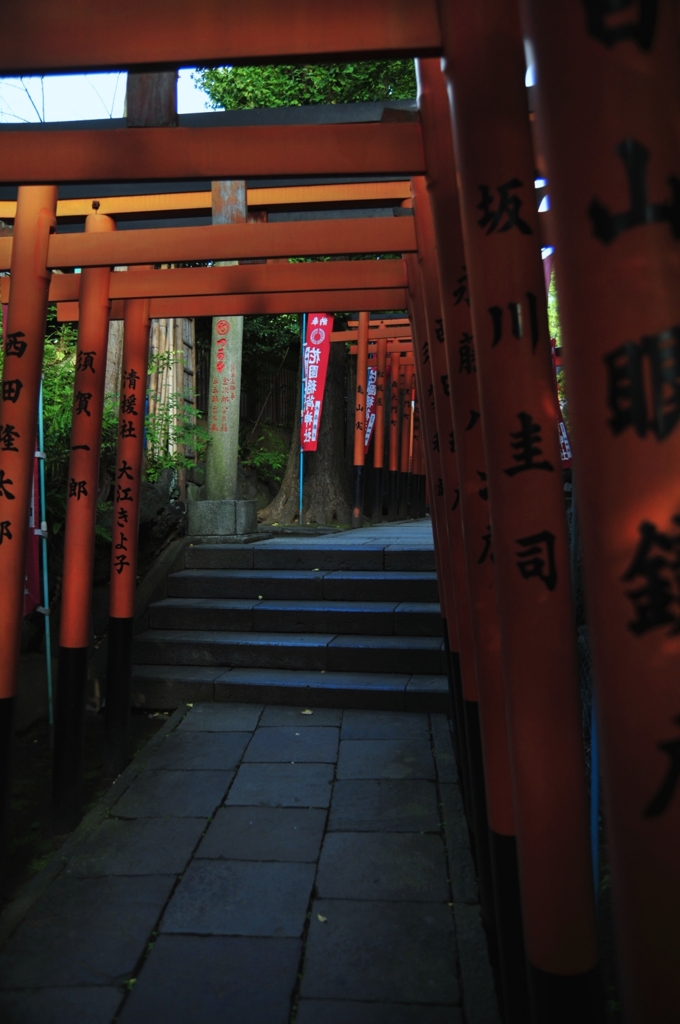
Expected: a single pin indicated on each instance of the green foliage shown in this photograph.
(267, 455)
(175, 436)
(554, 312)
(296, 85)
(265, 335)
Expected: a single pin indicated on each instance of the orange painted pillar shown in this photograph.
(405, 379)
(24, 340)
(360, 420)
(379, 430)
(417, 459)
(394, 438)
(457, 624)
(125, 533)
(531, 544)
(609, 95)
(79, 538)
(490, 772)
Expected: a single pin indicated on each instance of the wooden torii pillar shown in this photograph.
(609, 109)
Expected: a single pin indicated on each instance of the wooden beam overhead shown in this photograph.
(268, 277)
(187, 154)
(176, 202)
(42, 36)
(270, 302)
(380, 332)
(226, 242)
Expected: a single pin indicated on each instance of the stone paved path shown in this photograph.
(263, 866)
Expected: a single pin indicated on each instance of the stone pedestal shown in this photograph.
(222, 519)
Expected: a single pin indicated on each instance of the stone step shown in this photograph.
(323, 652)
(304, 585)
(164, 687)
(378, 618)
(298, 554)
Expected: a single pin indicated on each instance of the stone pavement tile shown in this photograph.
(325, 1011)
(96, 1005)
(208, 751)
(427, 693)
(264, 833)
(217, 897)
(443, 749)
(293, 716)
(159, 794)
(461, 866)
(384, 725)
(293, 745)
(479, 992)
(282, 785)
(383, 866)
(381, 952)
(141, 846)
(192, 979)
(384, 805)
(222, 717)
(385, 759)
(84, 931)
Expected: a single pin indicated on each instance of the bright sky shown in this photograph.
(81, 97)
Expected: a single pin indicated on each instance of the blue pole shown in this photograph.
(302, 412)
(43, 542)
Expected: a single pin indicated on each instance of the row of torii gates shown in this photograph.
(606, 137)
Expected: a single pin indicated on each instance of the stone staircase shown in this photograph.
(331, 623)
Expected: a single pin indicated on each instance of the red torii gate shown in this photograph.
(608, 89)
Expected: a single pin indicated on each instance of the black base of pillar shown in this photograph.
(456, 697)
(6, 722)
(402, 502)
(69, 739)
(376, 514)
(478, 824)
(510, 931)
(564, 999)
(358, 504)
(393, 495)
(118, 697)
(422, 497)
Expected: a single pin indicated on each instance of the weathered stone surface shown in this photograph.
(264, 833)
(140, 846)
(282, 785)
(160, 794)
(479, 992)
(384, 805)
(385, 759)
(211, 518)
(383, 866)
(380, 952)
(286, 743)
(461, 866)
(384, 725)
(213, 717)
(217, 897)
(281, 716)
(327, 1011)
(84, 931)
(209, 751)
(91, 1005)
(443, 749)
(214, 980)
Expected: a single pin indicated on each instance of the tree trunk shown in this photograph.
(283, 510)
(327, 496)
(326, 499)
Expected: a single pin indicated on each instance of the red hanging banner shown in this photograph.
(371, 392)
(315, 355)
